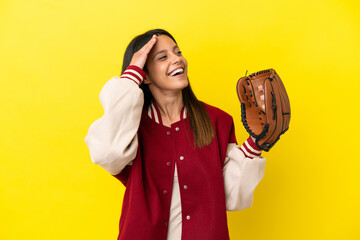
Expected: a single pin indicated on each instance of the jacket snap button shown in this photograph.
(168, 133)
(188, 217)
(181, 157)
(185, 186)
(177, 129)
(168, 164)
(165, 192)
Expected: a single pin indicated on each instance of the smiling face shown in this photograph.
(166, 67)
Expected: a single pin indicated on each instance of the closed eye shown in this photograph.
(163, 57)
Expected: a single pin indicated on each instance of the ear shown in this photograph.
(146, 80)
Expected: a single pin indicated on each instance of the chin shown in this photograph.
(184, 84)
(178, 83)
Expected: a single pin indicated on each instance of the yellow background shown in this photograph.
(55, 56)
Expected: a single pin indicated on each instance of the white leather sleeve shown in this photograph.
(112, 139)
(241, 176)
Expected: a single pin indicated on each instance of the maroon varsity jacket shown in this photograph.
(149, 181)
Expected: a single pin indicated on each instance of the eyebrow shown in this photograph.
(162, 51)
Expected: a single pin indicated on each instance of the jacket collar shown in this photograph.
(154, 113)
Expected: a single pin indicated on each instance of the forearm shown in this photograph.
(243, 170)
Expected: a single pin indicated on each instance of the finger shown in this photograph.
(273, 111)
(284, 102)
(148, 46)
(250, 110)
(243, 90)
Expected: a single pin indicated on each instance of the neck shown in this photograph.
(170, 106)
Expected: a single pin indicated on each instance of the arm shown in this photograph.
(243, 170)
(112, 139)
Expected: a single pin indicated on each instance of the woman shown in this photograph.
(177, 156)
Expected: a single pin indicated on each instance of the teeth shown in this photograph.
(179, 70)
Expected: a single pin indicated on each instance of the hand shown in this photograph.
(265, 111)
(139, 58)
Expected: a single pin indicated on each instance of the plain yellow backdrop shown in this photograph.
(55, 56)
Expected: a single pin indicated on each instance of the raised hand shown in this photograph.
(265, 107)
(139, 58)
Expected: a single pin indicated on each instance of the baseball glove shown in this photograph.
(265, 107)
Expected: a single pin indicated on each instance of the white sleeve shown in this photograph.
(242, 174)
(112, 139)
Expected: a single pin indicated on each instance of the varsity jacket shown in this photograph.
(164, 173)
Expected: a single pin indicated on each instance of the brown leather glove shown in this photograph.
(265, 107)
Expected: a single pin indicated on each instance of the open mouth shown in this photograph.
(177, 72)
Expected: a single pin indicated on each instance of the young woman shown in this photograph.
(178, 157)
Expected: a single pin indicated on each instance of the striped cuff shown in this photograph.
(135, 74)
(250, 149)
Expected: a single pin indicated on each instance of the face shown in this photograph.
(167, 68)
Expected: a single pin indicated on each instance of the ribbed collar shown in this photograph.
(154, 113)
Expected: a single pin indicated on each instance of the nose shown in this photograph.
(176, 59)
